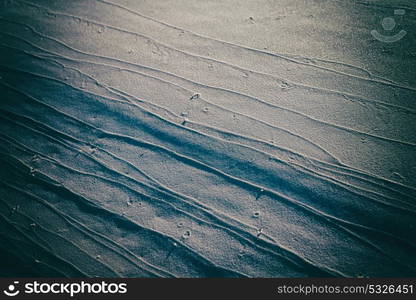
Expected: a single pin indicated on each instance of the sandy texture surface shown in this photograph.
(179, 138)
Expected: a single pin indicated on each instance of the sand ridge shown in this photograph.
(136, 148)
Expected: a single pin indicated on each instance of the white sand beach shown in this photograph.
(162, 138)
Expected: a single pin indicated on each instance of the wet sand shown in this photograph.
(206, 139)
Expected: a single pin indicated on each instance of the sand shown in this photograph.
(206, 139)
